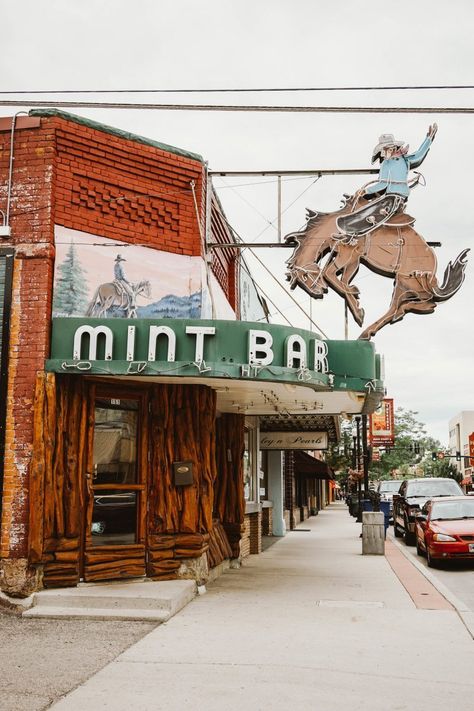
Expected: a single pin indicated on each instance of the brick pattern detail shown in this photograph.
(157, 214)
(245, 540)
(255, 532)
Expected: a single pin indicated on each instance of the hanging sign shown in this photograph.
(382, 424)
(294, 440)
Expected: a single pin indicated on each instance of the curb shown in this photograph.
(464, 613)
(15, 605)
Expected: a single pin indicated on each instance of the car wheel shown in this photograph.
(419, 549)
(396, 532)
(432, 562)
(408, 536)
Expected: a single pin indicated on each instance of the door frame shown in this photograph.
(115, 391)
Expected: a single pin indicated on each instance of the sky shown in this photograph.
(116, 44)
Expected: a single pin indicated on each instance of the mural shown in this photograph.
(101, 278)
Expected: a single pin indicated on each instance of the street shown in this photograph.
(310, 623)
(457, 576)
(43, 659)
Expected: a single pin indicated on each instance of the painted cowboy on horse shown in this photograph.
(373, 229)
(119, 296)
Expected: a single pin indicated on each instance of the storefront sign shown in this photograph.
(294, 440)
(224, 350)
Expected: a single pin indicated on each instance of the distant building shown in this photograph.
(460, 428)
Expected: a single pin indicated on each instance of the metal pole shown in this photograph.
(346, 322)
(359, 486)
(365, 453)
(207, 239)
(279, 209)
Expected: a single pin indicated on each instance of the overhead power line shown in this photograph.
(242, 90)
(244, 108)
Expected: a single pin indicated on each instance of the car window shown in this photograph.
(438, 487)
(449, 510)
(389, 486)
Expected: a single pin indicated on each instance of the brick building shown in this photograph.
(131, 395)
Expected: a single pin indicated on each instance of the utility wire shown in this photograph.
(412, 87)
(244, 108)
(239, 239)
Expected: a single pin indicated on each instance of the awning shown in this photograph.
(267, 370)
(308, 467)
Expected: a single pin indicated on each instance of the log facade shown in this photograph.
(175, 525)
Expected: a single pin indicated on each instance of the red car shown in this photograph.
(445, 529)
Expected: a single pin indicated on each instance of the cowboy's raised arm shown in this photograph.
(415, 159)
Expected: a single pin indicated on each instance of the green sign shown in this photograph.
(214, 349)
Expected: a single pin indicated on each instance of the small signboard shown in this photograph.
(471, 449)
(294, 440)
(382, 424)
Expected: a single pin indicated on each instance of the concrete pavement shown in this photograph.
(309, 624)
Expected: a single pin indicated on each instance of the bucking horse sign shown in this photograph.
(372, 228)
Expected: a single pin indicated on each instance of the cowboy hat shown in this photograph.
(385, 140)
(119, 258)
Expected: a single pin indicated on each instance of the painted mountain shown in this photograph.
(172, 306)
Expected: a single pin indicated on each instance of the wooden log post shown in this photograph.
(229, 505)
(55, 477)
(182, 428)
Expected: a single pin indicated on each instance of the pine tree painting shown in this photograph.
(71, 292)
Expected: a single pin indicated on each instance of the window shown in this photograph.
(251, 461)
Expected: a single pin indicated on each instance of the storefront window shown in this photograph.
(251, 462)
(248, 468)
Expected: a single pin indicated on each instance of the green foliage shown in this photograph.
(402, 461)
(70, 293)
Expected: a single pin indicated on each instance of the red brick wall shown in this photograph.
(245, 539)
(86, 179)
(255, 532)
(32, 234)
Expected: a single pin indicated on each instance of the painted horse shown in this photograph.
(332, 246)
(113, 296)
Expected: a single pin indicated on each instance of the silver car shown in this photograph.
(386, 489)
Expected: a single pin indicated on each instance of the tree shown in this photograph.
(411, 454)
(70, 293)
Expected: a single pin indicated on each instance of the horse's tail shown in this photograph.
(453, 278)
(93, 303)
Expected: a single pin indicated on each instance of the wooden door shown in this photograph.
(115, 485)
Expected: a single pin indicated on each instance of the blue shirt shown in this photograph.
(393, 175)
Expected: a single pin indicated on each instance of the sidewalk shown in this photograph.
(309, 624)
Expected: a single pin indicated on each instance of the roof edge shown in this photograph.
(115, 132)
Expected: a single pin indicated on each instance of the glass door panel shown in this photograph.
(115, 472)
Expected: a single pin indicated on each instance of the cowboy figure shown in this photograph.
(396, 162)
(124, 286)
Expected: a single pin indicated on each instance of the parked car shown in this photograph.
(445, 529)
(386, 489)
(413, 494)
